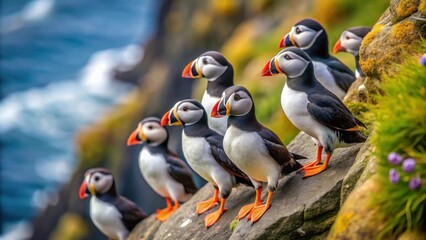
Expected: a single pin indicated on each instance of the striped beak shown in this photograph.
(271, 68)
(136, 137)
(338, 47)
(84, 190)
(287, 41)
(192, 71)
(220, 109)
(171, 118)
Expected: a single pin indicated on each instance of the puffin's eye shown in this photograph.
(150, 127)
(298, 30)
(347, 37)
(237, 97)
(205, 61)
(96, 178)
(185, 109)
(286, 56)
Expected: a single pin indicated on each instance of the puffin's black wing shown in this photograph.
(343, 76)
(216, 146)
(275, 147)
(181, 173)
(331, 112)
(132, 215)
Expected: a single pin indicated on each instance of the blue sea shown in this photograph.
(56, 70)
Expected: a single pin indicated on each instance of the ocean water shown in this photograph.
(56, 70)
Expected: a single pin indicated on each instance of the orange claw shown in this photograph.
(213, 217)
(317, 159)
(314, 170)
(261, 209)
(249, 208)
(208, 204)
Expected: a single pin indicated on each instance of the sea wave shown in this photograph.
(31, 12)
(47, 119)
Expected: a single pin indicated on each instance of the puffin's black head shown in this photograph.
(149, 130)
(291, 61)
(235, 101)
(185, 112)
(350, 40)
(210, 65)
(96, 181)
(306, 34)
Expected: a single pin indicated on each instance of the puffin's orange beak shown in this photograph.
(266, 69)
(338, 47)
(287, 41)
(134, 137)
(191, 70)
(271, 68)
(165, 119)
(220, 109)
(84, 190)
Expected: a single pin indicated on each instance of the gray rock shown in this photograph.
(145, 229)
(301, 208)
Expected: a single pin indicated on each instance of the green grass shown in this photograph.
(401, 127)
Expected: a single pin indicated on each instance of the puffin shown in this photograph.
(310, 36)
(350, 41)
(203, 150)
(114, 215)
(161, 168)
(313, 108)
(253, 148)
(219, 73)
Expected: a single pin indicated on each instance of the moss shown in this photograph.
(403, 29)
(401, 127)
(422, 7)
(406, 7)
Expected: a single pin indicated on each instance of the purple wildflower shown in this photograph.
(423, 59)
(394, 158)
(393, 176)
(408, 165)
(415, 183)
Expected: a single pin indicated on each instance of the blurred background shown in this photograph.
(78, 75)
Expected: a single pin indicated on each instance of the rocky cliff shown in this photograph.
(247, 32)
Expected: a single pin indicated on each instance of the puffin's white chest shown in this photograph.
(325, 77)
(198, 155)
(154, 169)
(217, 124)
(248, 152)
(107, 218)
(294, 104)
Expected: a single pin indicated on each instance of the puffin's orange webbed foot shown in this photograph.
(166, 209)
(213, 217)
(314, 170)
(207, 205)
(258, 211)
(163, 216)
(247, 209)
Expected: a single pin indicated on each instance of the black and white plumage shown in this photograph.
(253, 148)
(311, 37)
(350, 41)
(114, 215)
(312, 108)
(219, 73)
(161, 168)
(204, 152)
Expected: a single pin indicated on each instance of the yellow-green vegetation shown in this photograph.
(406, 7)
(400, 128)
(71, 226)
